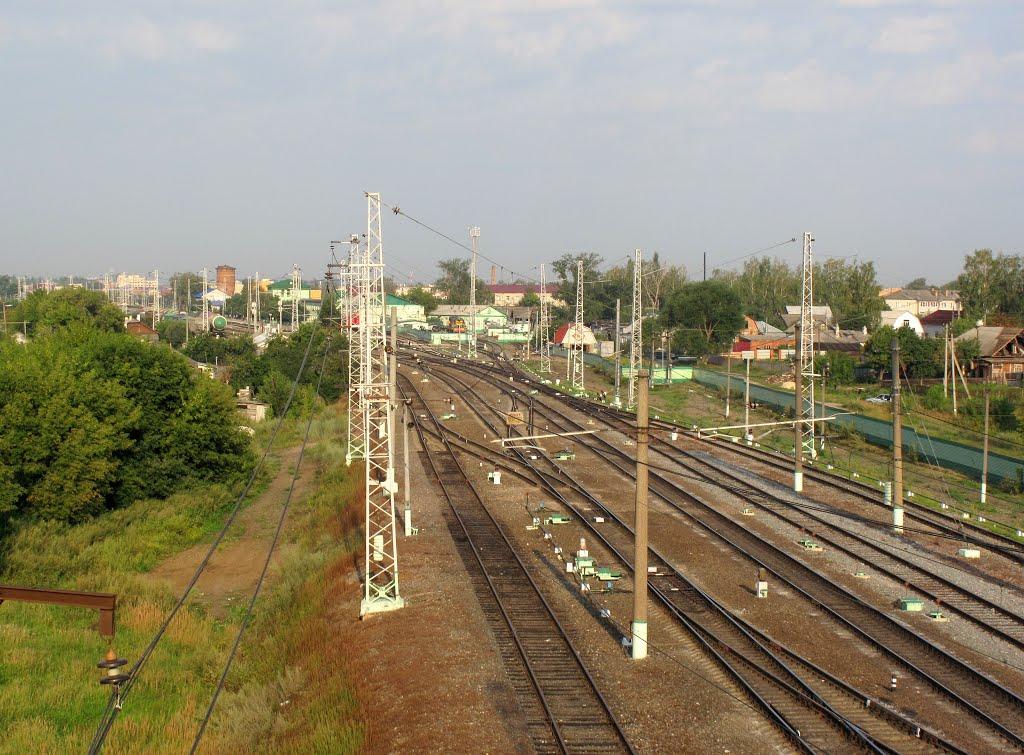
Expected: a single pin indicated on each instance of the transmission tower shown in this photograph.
(806, 353)
(352, 278)
(543, 324)
(577, 344)
(636, 328)
(156, 297)
(474, 234)
(381, 581)
(296, 291)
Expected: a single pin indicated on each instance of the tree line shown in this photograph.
(92, 418)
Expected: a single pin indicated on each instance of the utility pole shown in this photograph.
(380, 586)
(618, 364)
(897, 440)
(806, 345)
(156, 297)
(405, 457)
(746, 403)
(545, 345)
(945, 361)
(798, 433)
(206, 303)
(635, 328)
(705, 266)
(577, 362)
(474, 234)
(984, 454)
(728, 381)
(952, 364)
(639, 644)
(259, 314)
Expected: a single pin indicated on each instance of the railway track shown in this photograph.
(566, 712)
(815, 709)
(998, 706)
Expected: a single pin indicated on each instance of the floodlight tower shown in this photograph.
(296, 290)
(636, 329)
(380, 587)
(474, 234)
(543, 324)
(352, 277)
(577, 346)
(806, 354)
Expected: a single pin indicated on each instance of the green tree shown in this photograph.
(917, 283)
(8, 287)
(765, 286)
(45, 312)
(837, 365)
(851, 290)
(530, 299)
(920, 357)
(566, 268)
(424, 298)
(172, 332)
(455, 283)
(706, 317)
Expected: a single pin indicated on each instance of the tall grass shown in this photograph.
(50, 700)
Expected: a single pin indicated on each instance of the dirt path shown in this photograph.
(235, 566)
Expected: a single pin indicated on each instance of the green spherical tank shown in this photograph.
(219, 323)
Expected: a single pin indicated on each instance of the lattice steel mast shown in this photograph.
(474, 234)
(806, 353)
(636, 328)
(355, 448)
(296, 291)
(156, 297)
(543, 324)
(381, 554)
(577, 344)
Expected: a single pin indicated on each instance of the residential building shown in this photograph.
(821, 314)
(935, 324)
(141, 331)
(921, 301)
(1000, 352)
(409, 315)
(902, 319)
(510, 294)
(486, 315)
(567, 336)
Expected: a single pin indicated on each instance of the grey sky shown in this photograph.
(178, 135)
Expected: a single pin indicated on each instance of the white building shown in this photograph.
(903, 320)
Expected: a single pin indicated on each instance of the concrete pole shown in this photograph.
(728, 381)
(746, 405)
(798, 441)
(639, 647)
(405, 456)
(945, 361)
(618, 366)
(897, 441)
(984, 454)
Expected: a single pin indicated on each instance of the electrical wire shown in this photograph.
(266, 566)
(112, 709)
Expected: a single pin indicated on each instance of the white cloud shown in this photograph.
(913, 35)
(996, 140)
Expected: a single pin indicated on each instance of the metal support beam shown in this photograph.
(105, 603)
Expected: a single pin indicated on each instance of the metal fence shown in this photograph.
(942, 453)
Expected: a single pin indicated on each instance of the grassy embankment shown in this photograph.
(288, 689)
(847, 453)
